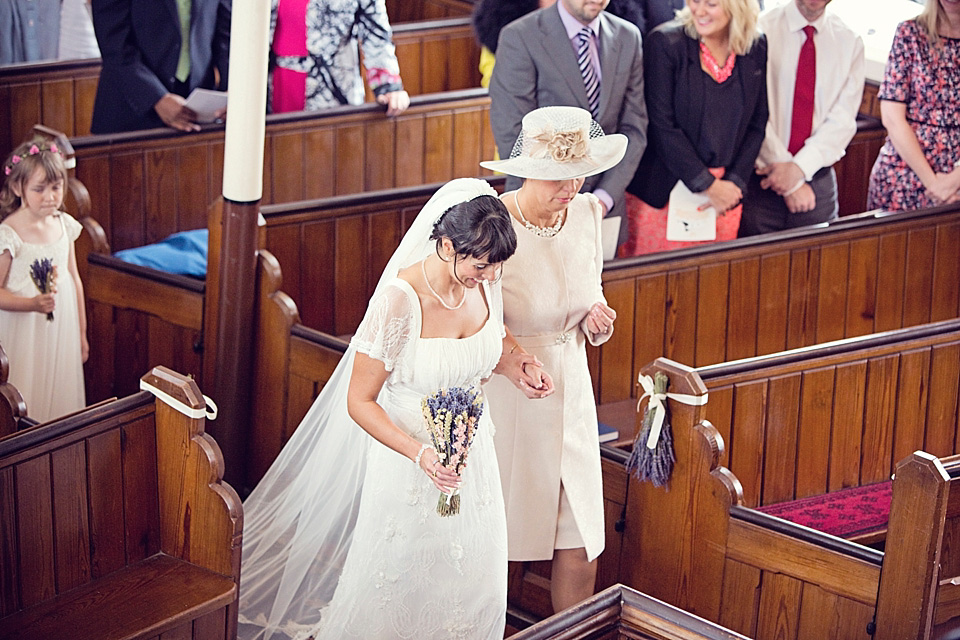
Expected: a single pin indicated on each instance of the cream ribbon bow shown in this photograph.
(209, 412)
(659, 410)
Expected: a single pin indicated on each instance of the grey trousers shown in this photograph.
(764, 211)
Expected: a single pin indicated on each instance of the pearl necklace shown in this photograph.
(543, 232)
(423, 269)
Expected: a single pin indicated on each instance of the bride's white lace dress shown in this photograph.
(410, 573)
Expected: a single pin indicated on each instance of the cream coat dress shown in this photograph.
(549, 286)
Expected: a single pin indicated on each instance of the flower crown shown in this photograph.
(32, 151)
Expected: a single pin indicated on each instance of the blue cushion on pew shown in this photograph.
(184, 253)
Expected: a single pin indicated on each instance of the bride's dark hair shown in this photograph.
(479, 228)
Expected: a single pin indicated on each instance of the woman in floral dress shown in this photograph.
(919, 165)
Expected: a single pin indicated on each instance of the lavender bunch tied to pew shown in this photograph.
(44, 275)
(653, 457)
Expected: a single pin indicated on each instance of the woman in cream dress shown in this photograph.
(553, 305)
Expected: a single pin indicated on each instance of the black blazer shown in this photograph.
(140, 47)
(675, 105)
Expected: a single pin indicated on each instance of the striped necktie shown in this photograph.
(590, 80)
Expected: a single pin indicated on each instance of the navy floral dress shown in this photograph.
(927, 80)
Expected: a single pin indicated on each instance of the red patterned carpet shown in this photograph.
(847, 513)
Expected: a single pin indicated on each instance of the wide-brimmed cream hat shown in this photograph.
(560, 143)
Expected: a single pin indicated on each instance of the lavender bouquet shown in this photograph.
(452, 416)
(44, 274)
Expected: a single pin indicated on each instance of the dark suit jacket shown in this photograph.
(656, 12)
(537, 67)
(676, 104)
(140, 46)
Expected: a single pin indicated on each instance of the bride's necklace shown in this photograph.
(423, 269)
(543, 232)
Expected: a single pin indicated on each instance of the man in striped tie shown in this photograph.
(573, 54)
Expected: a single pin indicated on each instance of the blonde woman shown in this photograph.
(919, 165)
(706, 92)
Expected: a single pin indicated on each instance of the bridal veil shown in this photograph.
(299, 520)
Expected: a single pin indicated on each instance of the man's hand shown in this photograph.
(802, 200)
(781, 176)
(396, 101)
(173, 111)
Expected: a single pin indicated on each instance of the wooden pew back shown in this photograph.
(114, 522)
(12, 407)
(136, 317)
(291, 363)
(146, 185)
(622, 612)
(838, 415)
(863, 274)
(438, 55)
(401, 11)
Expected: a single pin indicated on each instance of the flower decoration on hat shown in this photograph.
(561, 146)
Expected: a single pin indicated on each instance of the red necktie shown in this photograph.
(801, 124)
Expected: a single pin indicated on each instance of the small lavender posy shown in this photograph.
(451, 416)
(43, 273)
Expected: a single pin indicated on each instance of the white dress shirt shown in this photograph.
(837, 95)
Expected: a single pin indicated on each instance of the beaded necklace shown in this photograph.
(543, 232)
(718, 72)
(423, 269)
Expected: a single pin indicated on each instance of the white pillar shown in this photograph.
(246, 101)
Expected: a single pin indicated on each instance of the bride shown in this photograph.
(342, 537)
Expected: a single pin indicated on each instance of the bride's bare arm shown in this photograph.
(367, 379)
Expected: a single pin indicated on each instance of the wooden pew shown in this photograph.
(146, 185)
(853, 169)
(291, 363)
(836, 415)
(401, 11)
(679, 554)
(860, 275)
(777, 579)
(12, 407)
(622, 612)
(114, 523)
(135, 316)
(438, 54)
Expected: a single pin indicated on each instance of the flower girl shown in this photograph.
(43, 323)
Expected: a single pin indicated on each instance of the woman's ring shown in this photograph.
(434, 473)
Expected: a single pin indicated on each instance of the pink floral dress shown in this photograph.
(928, 82)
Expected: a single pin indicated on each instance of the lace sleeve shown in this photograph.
(9, 240)
(387, 327)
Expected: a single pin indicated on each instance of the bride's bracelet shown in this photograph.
(423, 448)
